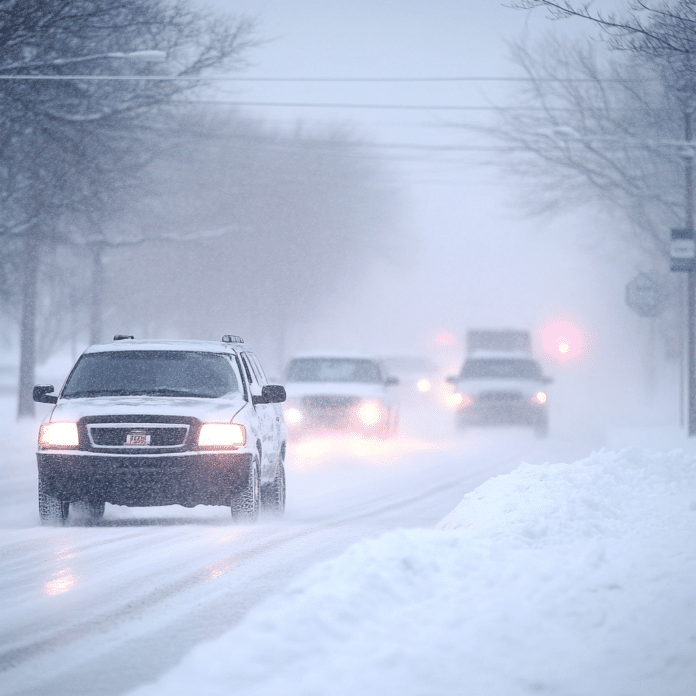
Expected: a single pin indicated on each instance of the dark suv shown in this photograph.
(144, 423)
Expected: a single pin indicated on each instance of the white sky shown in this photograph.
(468, 258)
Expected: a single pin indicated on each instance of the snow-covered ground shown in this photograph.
(106, 608)
(572, 579)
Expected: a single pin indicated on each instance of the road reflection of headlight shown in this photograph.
(423, 385)
(369, 413)
(539, 398)
(293, 416)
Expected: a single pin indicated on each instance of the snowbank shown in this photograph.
(574, 579)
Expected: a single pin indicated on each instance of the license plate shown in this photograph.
(137, 437)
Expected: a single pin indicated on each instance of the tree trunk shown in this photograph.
(27, 358)
(95, 320)
(691, 285)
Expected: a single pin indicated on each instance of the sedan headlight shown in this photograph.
(539, 398)
(58, 435)
(219, 435)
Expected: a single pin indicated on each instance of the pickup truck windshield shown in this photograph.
(151, 373)
(501, 368)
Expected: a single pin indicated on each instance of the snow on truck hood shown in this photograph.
(206, 410)
(296, 390)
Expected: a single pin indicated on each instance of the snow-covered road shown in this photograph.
(104, 609)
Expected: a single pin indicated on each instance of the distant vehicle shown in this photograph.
(144, 423)
(416, 373)
(500, 383)
(351, 393)
(509, 341)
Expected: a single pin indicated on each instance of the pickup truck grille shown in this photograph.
(137, 434)
(500, 397)
(132, 434)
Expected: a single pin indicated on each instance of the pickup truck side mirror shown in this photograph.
(452, 379)
(42, 394)
(391, 381)
(548, 380)
(270, 394)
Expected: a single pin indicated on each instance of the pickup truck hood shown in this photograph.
(296, 390)
(206, 410)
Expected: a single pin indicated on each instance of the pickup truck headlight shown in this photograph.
(219, 435)
(58, 435)
(539, 398)
(423, 385)
(459, 400)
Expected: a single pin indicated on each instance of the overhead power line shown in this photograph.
(340, 105)
(456, 78)
(234, 78)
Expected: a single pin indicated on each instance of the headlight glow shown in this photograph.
(459, 400)
(58, 435)
(455, 399)
(423, 385)
(222, 435)
(293, 416)
(369, 413)
(539, 398)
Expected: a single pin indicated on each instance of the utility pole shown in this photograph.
(97, 299)
(691, 285)
(27, 360)
(683, 253)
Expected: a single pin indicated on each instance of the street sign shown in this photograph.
(644, 296)
(682, 250)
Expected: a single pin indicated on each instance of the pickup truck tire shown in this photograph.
(273, 494)
(88, 510)
(541, 429)
(52, 510)
(245, 504)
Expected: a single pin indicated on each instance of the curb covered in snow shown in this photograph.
(572, 579)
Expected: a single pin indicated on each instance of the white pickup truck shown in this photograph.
(500, 383)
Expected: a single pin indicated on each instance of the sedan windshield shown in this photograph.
(334, 370)
(151, 373)
(504, 368)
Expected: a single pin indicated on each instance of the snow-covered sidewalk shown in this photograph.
(570, 579)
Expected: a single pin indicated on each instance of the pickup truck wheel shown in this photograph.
(541, 429)
(52, 510)
(273, 494)
(395, 424)
(89, 510)
(245, 504)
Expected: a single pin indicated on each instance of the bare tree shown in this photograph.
(67, 144)
(634, 153)
(651, 27)
(271, 228)
(594, 129)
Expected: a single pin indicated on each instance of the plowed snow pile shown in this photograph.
(575, 579)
